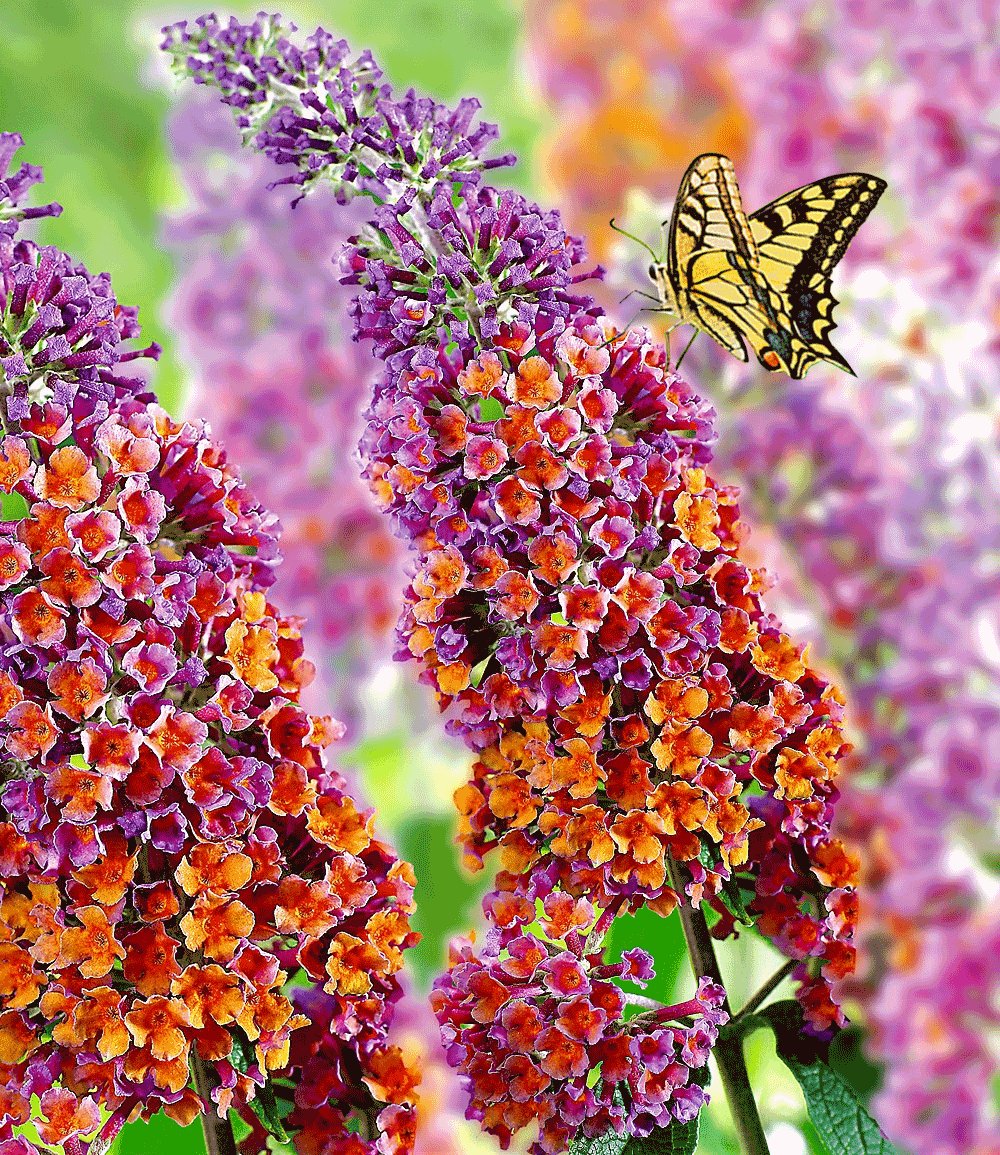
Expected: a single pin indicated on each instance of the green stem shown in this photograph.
(771, 985)
(728, 1052)
(219, 1139)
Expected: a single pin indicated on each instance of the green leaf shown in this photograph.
(836, 1111)
(677, 1139)
(732, 896)
(835, 1108)
(266, 1107)
(610, 1143)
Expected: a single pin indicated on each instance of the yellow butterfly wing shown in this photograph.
(712, 260)
(765, 280)
(800, 238)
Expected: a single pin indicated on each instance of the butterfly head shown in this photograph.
(659, 274)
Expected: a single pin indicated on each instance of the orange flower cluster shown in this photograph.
(584, 601)
(182, 876)
(174, 851)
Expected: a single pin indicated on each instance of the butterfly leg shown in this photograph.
(684, 352)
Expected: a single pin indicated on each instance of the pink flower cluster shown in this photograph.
(182, 875)
(528, 1024)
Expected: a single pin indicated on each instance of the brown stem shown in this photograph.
(728, 1052)
(218, 1131)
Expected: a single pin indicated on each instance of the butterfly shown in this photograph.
(762, 280)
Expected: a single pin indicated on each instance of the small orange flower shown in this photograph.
(738, 632)
(92, 946)
(44, 530)
(98, 1017)
(69, 479)
(68, 580)
(81, 792)
(79, 688)
(302, 907)
(36, 620)
(443, 575)
(64, 1116)
(159, 1023)
(553, 557)
(211, 867)
(674, 702)
(337, 823)
(589, 714)
(628, 781)
(170, 1074)
(31, 733)
(19, 981)
(778, 657)
(390, 1078)
(680, 805)
(453, 678)
(210, 994)
(511, 798)
(252, 652)
(696, 512)
(586, 832)
(518, 427)
(578, 772)
(17, 1038)
(834, 865)
(216, 926)
(15, 561)
(681, 751)
(481, 377)
(753, 728)
(536, 384)
(156, 901)
(15, 463)
(795, 773)
(350, 965)
(291, 791)
(151, 961)
(637, 835)
(562, 644)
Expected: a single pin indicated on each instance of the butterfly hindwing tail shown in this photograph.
(801, 237)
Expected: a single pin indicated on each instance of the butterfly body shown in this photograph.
(762, 279)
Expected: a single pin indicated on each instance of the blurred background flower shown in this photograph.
(869, 498)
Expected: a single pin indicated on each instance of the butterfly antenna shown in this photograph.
(632, 237)
(684, 352)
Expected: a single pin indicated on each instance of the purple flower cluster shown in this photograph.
(64, 334)
(327, 114)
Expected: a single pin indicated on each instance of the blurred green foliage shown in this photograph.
(82, 82)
